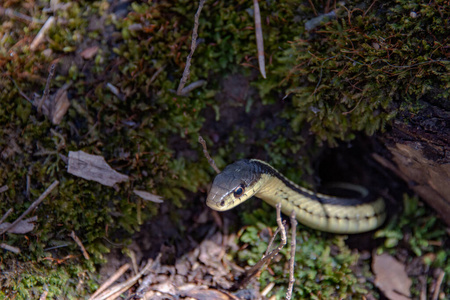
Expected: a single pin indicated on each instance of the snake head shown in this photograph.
(232, 186)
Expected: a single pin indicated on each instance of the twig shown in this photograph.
(10, 248)
(259, 38)
(271, 241)
(266, 258)
(43, 296)
(267, 289)
(111, 280)
(32, 206)
(40, 36)
(4, 188)
(80, 244)
(312, 5)
(193, 46)
(6, 215)
(292, 256)
(370, 7)
(17, 15)
(438, 285)
(192, 87)
(208, 157)
(125, 285)
(47, 88)
(156, 74)
(20, 91)
(148, 279)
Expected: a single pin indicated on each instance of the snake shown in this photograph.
(246, 178)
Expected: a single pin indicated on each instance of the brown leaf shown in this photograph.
(24, 226)
(93, 167)
(89, 53)
(55, 106)
(60, 106)
(391, 277)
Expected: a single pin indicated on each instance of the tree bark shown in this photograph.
(419, 152)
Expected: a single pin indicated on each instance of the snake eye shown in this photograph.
(239, 191)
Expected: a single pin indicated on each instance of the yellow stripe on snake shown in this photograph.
(251, 177)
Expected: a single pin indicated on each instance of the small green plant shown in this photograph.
(323, 263)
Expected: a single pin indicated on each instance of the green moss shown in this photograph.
(352, 71)
(145, 131)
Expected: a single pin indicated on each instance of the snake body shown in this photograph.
(251, 177)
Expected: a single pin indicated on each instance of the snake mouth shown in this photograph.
(216, 199)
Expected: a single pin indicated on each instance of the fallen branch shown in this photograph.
(208, 157)
(6, 215)
(193, 46)
(250, 273)
(40, 36)
(32, 206)
(122, 287)
(259, 38)
(17, 15)
(80, 244)
(10, 248)
(292, 256)
(110, 280)
(47, 88)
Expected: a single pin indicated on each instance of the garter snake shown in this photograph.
(251, 177)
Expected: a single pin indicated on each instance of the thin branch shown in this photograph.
(6, 215)
(271, 241)
(20, 91)
(259, 38)
(292, 256)
(80, 244)
(4, 188)
(314, 9)
(148, 279)
(10, 248)
(250, 273)
(32, 206)
(130, 282)
(155, 75)
(17, 15)
(111, 280)
(40, 36)
(208, 157)
(47, 88)
(437, 287)
(186, 71)
(192, 87)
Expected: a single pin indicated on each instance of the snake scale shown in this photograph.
(251, 177)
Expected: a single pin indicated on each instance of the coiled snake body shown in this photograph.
(251, 177)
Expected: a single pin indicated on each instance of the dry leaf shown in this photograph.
(148, 196)
(60, 106)
(56, 106)
(93, 167)
(89, 53)
(391, 277)
(24, 226)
